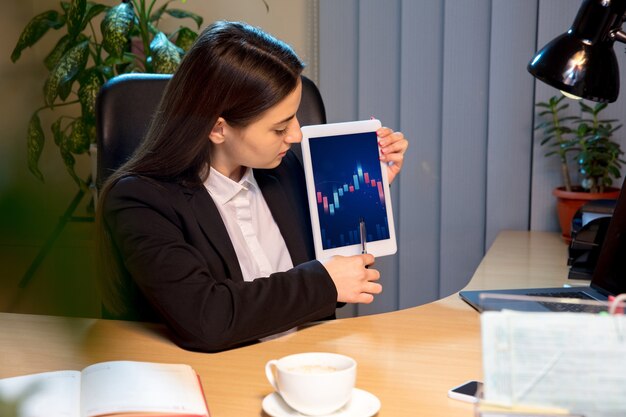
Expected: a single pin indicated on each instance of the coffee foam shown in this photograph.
(313, 369)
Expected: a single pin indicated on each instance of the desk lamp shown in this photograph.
(581, 62)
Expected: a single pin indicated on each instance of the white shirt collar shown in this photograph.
(223, 189)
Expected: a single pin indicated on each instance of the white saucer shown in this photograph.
(362, 404)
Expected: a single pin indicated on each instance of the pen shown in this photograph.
(363, 235)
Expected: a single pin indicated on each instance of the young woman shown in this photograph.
(206, 227)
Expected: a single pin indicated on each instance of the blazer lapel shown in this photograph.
(210, 220)
(284, 214)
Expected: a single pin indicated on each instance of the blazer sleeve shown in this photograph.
(206, 310)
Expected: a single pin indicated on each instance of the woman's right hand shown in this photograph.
(354, 282)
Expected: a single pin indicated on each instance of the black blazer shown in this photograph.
(182, 267)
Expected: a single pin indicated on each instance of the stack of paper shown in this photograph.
(575, 361)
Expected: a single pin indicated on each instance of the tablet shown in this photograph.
(347, 188)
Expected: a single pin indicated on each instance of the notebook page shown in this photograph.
(48, 394)
(572, 360)
(125, 387)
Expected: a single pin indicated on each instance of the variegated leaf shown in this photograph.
(75, 16)
(35, 144)
(165, 55)
(79, 138)
(64, 90)
(116, 26)
(63, 73)
(57, 52)
(70, 162)
(35, 29)
(89, 87)
(185, 38)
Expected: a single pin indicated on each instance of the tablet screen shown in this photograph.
(348, 187)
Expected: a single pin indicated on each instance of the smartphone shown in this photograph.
(469, 391)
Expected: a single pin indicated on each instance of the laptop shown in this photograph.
(609, 275)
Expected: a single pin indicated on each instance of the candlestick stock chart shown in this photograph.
(348, 186)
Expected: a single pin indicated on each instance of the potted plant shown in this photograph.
(585, 141)
(129, 40)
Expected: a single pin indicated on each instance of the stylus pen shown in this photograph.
(363, 235)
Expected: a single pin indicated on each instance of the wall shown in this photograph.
(452, 76)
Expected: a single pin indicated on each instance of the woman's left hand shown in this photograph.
(393, 145)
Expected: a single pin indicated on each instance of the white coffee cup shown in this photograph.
(313, 383)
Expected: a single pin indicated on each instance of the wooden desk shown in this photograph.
(408, 358)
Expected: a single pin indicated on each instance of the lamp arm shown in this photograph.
(618, 35)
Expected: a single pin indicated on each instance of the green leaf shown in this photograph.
(35, 29)
(583, 128)
(585, 108)
(116, 26)
(165, 55)
(185, 38)
(126, 58)
(90, 85)
(183, 14)
(57, 52)
(70, 161)
(35, 142)
(599, 107)
(157, 15)
(57, 132)
(93, 10)
(64, 90)
(107, 71)
(75, 16)
(562, 107)
(64, 72)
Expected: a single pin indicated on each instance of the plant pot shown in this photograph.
(568, 203)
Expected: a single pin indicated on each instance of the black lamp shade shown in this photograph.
(573, 66)
(582, 61)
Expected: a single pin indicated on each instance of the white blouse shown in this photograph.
(258, 243)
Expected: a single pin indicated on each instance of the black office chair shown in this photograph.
(125, 106)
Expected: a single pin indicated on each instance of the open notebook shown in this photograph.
(120, 388)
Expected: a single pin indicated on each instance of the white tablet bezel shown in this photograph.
(377, 248)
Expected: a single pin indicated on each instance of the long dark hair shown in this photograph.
(234, 71)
